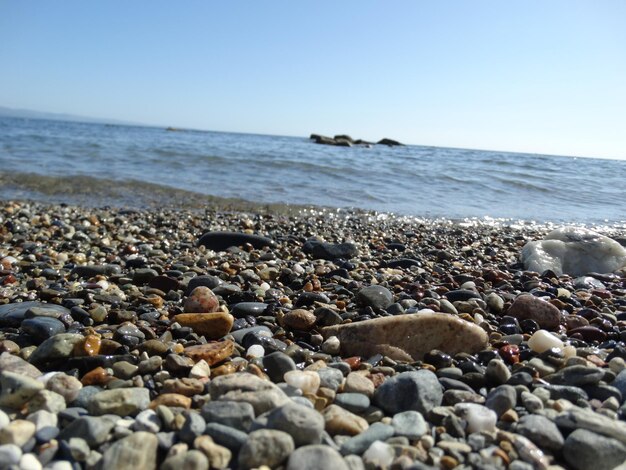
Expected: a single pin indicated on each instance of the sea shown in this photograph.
(134, 166)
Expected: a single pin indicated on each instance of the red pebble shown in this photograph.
(510, 353)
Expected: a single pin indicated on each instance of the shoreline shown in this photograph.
(129, 336)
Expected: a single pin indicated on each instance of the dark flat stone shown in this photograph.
(14, 314)
(42, 328)
(220, 241)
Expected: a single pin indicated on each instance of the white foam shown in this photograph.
(575, 251)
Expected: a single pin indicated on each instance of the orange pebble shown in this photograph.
(97, 376)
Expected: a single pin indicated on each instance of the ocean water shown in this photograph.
(101, 164)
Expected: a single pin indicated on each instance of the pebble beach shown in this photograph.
(301, 339)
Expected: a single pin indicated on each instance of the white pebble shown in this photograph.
(307, 381)
(30, 462)
(479, 418)
(10, 454)
(379, 454)
(331, 345)
(200, 370)
(543, 340)
(256, 350)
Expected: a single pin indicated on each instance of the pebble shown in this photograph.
(338, 420)
(529, 307)
(10, 454)
(575, 251)
(542, 341)
(419, 391)
(16, 389)
(17, 432)
(501, 399)
(307, 381)
(299, 319)
(238, 415)
(316, 457)
(379, 454)
(354, 402)
(303, 424)
(361, 442)
(192, 460)
(201, 300)
(542, 431)
(586, 450)
(409, 337)
(479, 418)
(210, 325)
(226, 436)
(375, 296)
(121, 402)
(268, 447)
(218, 456)
(410, 424)
(138, 450)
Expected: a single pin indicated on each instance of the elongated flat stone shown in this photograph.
(212, 353)
(409, 337)
(209, 325)
(219, 241)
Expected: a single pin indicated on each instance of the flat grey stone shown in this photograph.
(238, 415)
(501, 399)
(361, 442)
(543, 432)
(303, 424)
(17, 389)
(193, 427)
(139, 450)
(330, 378)
(12, 363)
(277, 364)
(316, 457)
(226, 436)
(576, 376)
(265, 447)
(354, 402)
(374, 296)
(576, 418)
(416, 390)
(409, 424)
(586, 450)
(94, 429)
(57, 347)
(121, 401)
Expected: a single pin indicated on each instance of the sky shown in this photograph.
(532, 76)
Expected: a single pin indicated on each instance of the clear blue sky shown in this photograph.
(535, 75)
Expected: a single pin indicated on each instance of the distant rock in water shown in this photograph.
(574, 251)
(389, 142)
(343, 140)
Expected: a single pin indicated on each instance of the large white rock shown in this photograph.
(574, 251)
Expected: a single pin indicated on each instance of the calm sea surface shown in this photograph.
(107, 164)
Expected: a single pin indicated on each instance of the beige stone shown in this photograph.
(340, 421)
(408, 337)
(209, 325)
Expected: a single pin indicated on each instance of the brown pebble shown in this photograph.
(225, 369)
(9, 346)
(186, 386)
(90, 346)
(201, 300)
(527, 306)
(408, 337)
(448, 462)
(174, 400)
(210, 325)
(212, 353)
(108, 346)
(299, 319)
(97, 376)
